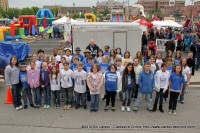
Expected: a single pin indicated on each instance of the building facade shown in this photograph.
(69, 10)
(109, 4)
(4, 4)
(153, 5)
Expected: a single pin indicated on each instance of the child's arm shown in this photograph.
(169, 86)
(119, 84)
(88, 80)
(181, 89)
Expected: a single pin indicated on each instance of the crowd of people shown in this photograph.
(99, 75)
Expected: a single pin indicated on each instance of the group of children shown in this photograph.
(77, 78)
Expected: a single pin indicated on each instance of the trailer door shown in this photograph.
(120, 40)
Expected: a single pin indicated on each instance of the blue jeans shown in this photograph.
(37, 96)
(139, 99)
(27, 92)
(80, 98)
(183, 92)
(16, 96)
(47, 95)
(127, 97)
(68, 95)
(94, 104)
(56, 97)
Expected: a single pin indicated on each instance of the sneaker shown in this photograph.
(48, 106)
(113, 108)
(55, 106)
(17, 108)
(20, 107)
(45, 106)
(38, 106)
(76, 107)
(85, 107)
(174, 112)
(164, 100)
(58, 106)
(106, 108)
(135, 109)
(65, 107)
(182, 102)
(25, 106)
(128, 109)
(154, 109)
(95, 110)
(32, 105)
(170, 112)
(69, 107)
(123, 108)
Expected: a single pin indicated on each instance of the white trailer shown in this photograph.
(127, 36)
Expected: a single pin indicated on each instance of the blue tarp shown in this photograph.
(19, 49)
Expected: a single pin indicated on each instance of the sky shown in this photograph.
(40, 3)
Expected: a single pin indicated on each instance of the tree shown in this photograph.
(13, 12)
(2, 12)
(35, 9)
(105, 12)
(54, 11)
(26, 11)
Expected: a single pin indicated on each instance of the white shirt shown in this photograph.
(68, 58)
(55, 82)
(66, 78)
(153, 68)
(161, 80)
(79, 81)
(57, 58)
(185, 72)
(61, 66)
(138, 69)
(94, 76)
(159, 62)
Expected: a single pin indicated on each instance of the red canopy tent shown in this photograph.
(145, 22)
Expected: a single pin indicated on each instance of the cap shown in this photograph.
(77, 49)
(68, 49)
(23, 64)
(40, 50)
(87, 51)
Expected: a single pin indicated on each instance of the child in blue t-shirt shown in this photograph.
(73, 66)
(112, 80)
(104, 65)
(87, 67)
(26, 90)
(176, 82)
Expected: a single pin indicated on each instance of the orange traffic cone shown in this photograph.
(8, 97)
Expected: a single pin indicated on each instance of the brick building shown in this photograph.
(109, 4)
(4, 4)
(69, 10)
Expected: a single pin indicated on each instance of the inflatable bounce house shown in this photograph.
(90, 17)
(117, 15)
(44, 18)
(30, 24)
(15, 31)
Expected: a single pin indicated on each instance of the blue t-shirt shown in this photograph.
(176, 61)
(176, 81)
(129, 81)
(169, 69)
(23, 78)
(103, 67)
(80, 57)
(73, 67)
(106, 53)
(87, 67)
(111, 80)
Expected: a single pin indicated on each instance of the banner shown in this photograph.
(160, 43)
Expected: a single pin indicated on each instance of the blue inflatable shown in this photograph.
(19, 49)
(44, 13)
(11, 38)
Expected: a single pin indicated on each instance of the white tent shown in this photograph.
(166, 23)
(62, 20)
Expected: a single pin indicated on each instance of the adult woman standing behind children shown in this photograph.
(95, 81)
(12, 80)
